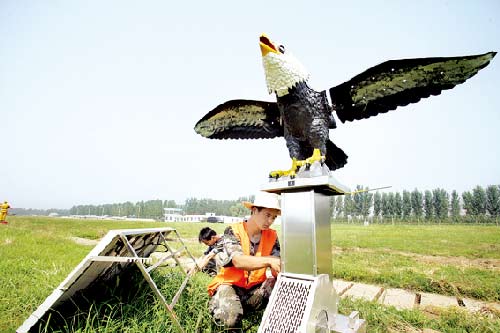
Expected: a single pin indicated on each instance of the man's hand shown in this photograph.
(204, 261)
(251, 263)
(275, 265)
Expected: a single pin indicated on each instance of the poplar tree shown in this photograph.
(455, 205)
(406, 204)
(340, 205)
(363, 201)
(428, 206)
(440, 199)
(348, 205)
(493, 200)
(337, 205)
(385, 209)
(468, 203)
(388, 204)
(398, 205)
(377, 204)
(367, 203)
(417, 203)
(479, 200)
(357, 199)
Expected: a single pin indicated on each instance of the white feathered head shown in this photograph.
(283, 71)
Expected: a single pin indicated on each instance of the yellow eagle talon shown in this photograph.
(296, 164)
(315, 157)
(291, 172)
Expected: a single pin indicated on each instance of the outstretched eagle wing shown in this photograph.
(241, 119)
(400, 82)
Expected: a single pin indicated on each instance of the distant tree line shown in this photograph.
(218, 207)
(481, 205)
(478, 205)
(155, 208)
(144, 209)
(32, 211)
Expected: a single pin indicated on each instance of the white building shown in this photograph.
(173, 214)
(177, 215)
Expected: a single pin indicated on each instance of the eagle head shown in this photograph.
(283, 71)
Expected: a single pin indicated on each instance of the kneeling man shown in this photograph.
(249, 249)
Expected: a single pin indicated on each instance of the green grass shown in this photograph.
(443, 240)
(37, 254)
(397, 271)
(131, 307)
(421, 258)
(387, 319)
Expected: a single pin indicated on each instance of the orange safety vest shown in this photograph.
(239, 277)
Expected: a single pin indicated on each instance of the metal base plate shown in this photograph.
(327, 185)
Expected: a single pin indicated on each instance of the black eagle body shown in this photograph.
(304, 116)
(307, 118)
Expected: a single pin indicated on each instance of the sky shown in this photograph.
(98, 99)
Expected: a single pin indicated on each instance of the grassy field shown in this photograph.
(37, 253)
(456, 260)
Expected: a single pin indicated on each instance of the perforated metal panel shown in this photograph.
(301, 303)
(288, 306)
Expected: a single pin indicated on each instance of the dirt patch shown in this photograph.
(492, 264)
(490, 310)
(401, 327)
(485, 263)
(84, 241)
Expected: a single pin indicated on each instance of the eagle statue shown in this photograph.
(304, 116)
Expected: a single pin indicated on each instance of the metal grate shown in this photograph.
(288, 307)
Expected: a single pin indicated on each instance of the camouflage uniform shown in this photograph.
(211, 267)
(230, 302)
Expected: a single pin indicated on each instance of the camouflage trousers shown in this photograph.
(230, 302)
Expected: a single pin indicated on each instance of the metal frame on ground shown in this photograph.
(112, 256)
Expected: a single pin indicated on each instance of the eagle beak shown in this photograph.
(266, 45)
